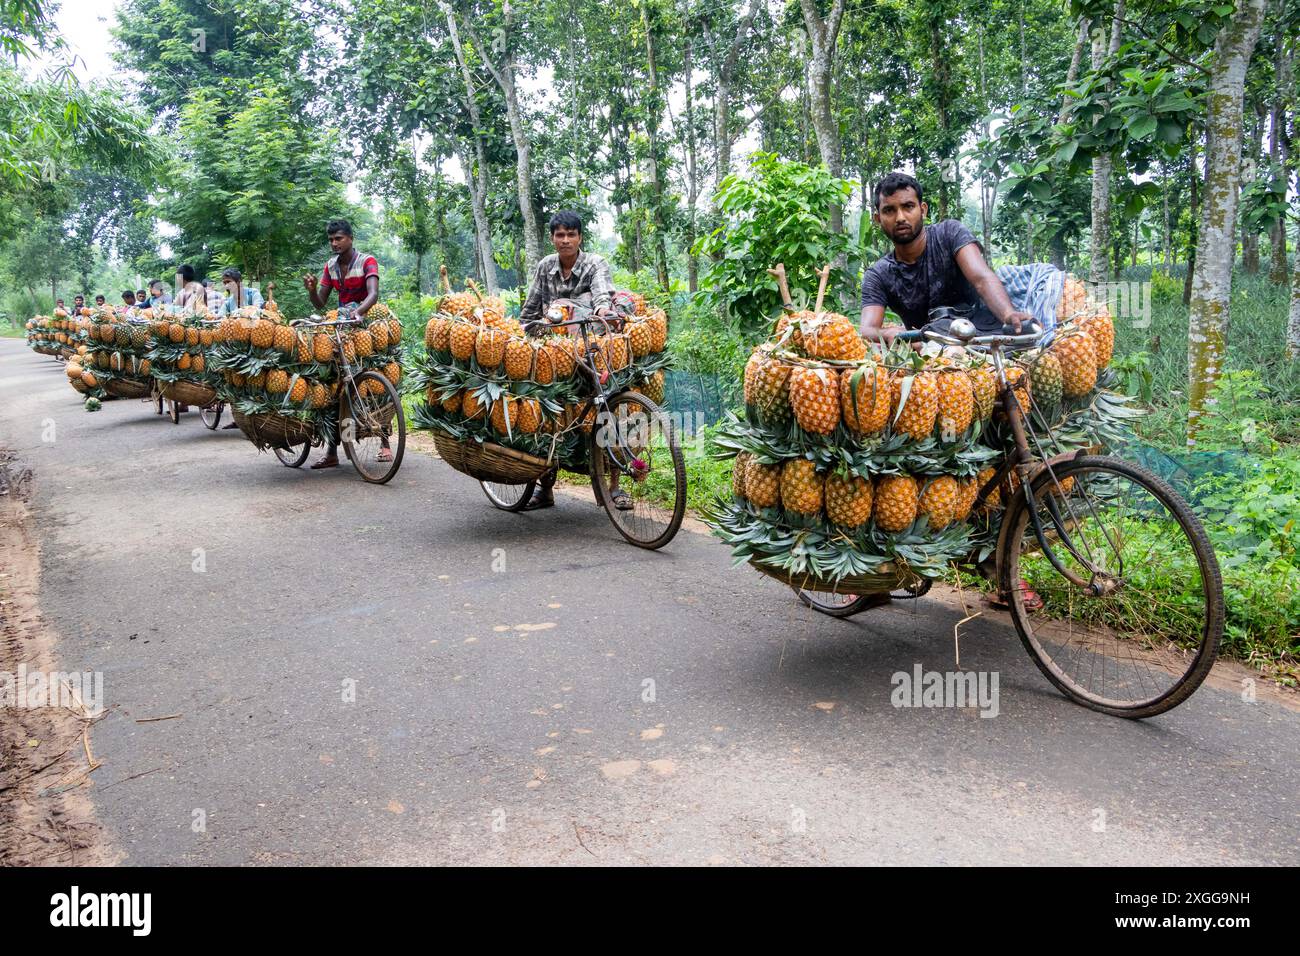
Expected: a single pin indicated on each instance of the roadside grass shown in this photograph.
(12, 332)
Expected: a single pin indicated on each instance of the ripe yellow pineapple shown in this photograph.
(967, 489)
(519, 359)
(829, 335)
(175, 332)
(565, 355)
(303, 346)
(263, 334)
(618, 350)
(994, 498)
(461, 339)
(866, 397)
(1102, 330)
(919, 408)
(530, 416)
(505, 414)
(642, 338)
(751, 376)
(283, 339)
(1074, 299)
(895, 502)
(472, 407)
(1077, 354)
(277, 381)
(349, 349)
(848, 500)
(543, 363)
(815, 399)
(653, 387)
(198, 364)
(379, 335)
(658, 321)
(320, 395)
(956, 403)
(738, 475)
(490, 347)
(938, 501)
(436, 331)
(365, 345)
(393, 372)
(801, 487)
(322, 348)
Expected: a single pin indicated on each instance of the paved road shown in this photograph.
(505, 715)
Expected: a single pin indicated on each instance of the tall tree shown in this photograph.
(1212, 282)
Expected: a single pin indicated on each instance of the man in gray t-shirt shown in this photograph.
(931, 266)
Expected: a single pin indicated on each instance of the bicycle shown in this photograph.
(629, 433)
(1064, 535)
(368, 407)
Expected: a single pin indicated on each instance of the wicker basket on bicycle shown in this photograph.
(114, 361)
(274, 431)
(504, 406)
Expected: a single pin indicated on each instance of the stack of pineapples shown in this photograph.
(265, 366)
(181, 347)
(855, 463)
(482, 379)
(115, 347)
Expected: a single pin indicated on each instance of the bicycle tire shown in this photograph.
(211, 414)
(600, 474)
(294, 455)
(397, 439)
(823, 602)
(505, 501)
(1019, 531)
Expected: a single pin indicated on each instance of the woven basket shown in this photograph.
(188, 393)
(127, 388)
(79, 385)
(274, 431)
(489, 462)
(889, 579)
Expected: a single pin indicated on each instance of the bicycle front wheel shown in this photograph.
(211, 414)
(1132, 598)
(372, 426)
(638, 470)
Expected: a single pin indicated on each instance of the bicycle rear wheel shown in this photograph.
(634, 443)
(211, 414)
(371, 421)
(508, 497)
(1132, 595)
(293, 456)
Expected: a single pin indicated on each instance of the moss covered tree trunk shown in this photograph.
(1293, 320)
(1102, 164)
(1217, 236)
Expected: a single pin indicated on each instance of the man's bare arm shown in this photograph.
(372, 295)
(873, 325)
(990, 288)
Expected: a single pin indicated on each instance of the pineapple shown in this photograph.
(984, 384)
(198, 363)
(1018, 380)
(1074, 299)
(394, 333)
(994, 498)
(565, 355)
(619, 351)
(938, 502)
(349, 349)
(967, 489)
(642, 338)
(772, 393)
(322, 348)
(144, 367)
(658, 321)
(751, 376)
(530, 416)
(1045, 380)
(505, 414)
(283, 339)
(434, 330)
(139, 338)
(1078, 357)
(848, 500)
(176, 332)
(471, 405)
(277, 381)
(832, 336)
(519, 359)
(461, 339)
(653, 387)
(1102, 330)
(490, 347)
(393, 372)
(895, 502)
(458, 303)
(738, 475)
(956, 403)
(320, 395)
(914, 415)
(452, 403)
(379, 334)
(304, 347)
(801, 487)
(865, 395)
(543, 364)
(814, 397)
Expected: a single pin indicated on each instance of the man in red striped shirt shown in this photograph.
(356, 277)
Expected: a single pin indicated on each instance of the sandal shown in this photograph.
(622, 500)
(385, 454)
(1002, 600)
(325, 463)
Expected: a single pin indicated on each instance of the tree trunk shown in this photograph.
(476, 173)
(692, 170)
(503, 72)
(822, 35)
(1278, 153)
(653, 106)
(1167, 226)
(1080, 41)
(1293, 318)
(727, 60)
(1249, 173)
(1194, 207)
(1102, 167)
(1212, 283)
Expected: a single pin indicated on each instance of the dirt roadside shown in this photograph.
(46, 755)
